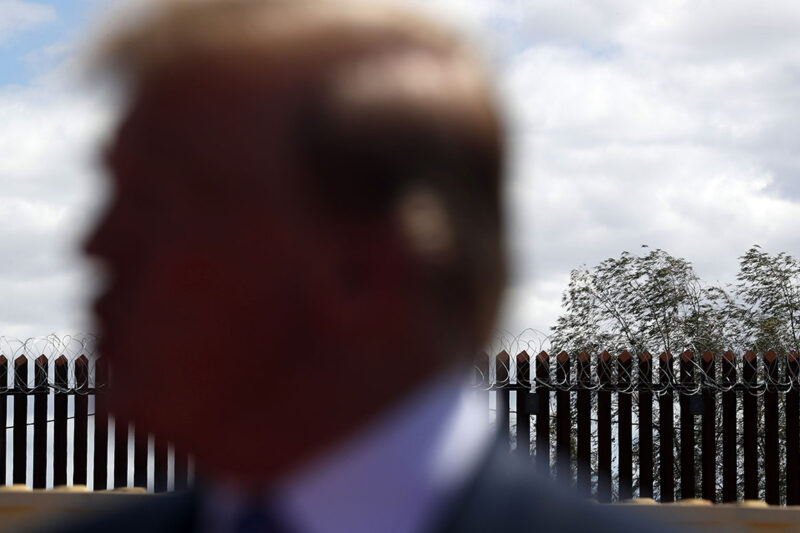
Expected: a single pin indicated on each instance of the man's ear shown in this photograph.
(424, 224)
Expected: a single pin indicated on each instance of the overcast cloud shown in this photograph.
(669, 123)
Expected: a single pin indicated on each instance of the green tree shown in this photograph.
(651, 302)
(656, 302)
(767, 306)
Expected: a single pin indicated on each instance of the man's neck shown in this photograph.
(391, 476)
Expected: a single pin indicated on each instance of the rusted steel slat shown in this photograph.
(750, 428)
(625, 434)
(563, 420)
(121, 435)
(20, 420)
(687, 428)
(666, 430)
(728, 431)
(100, 458)
(3, 416)
(771, 453)
(80, 440)
(604, 429)
(583, 458)
(709, 455)
(543, 411)
(792, 432)
(60, 422)
(40, 424)
(160, 466)
(139, 457)
(181, 470)
(645, 427)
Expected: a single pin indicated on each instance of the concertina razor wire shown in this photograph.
(522, 363)
(500, 367)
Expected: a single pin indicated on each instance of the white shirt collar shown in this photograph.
(394, 476)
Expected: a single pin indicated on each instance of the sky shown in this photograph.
(666, 123)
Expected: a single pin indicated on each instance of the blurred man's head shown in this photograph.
(307, 198)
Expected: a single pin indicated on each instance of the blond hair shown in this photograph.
(398, 117)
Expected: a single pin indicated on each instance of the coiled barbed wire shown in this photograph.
(76, 354)
(686, 373)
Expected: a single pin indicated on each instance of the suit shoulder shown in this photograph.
(509, 494)
(153, 514)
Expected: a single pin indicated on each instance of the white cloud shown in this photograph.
(17, 16)
(669, 122)
(49, 131)
(666, 123)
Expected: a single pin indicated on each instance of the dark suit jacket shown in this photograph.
(505, 495)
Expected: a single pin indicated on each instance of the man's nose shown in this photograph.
(99, 242)
(92, 243)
